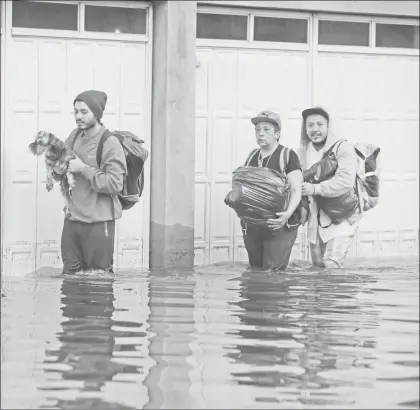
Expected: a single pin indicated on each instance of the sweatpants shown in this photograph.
(86, 246)
(332, 253)
(269, 250)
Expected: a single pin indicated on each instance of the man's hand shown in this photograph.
(76, 165)
(276, 224)
(58, 167)
(308, 189)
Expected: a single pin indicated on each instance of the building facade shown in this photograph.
(187, 78)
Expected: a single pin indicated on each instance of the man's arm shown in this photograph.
(109, 179)
(343, 179)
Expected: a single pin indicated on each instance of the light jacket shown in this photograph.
(342, 182)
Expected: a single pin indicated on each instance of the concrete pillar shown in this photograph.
(173, 134)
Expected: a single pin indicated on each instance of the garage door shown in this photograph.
(227, 97)
(45, 70)
(373, 96)
(364, 72)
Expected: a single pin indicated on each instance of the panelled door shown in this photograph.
(45, 70)
(371, 87)
(363, 70)
(227, 98)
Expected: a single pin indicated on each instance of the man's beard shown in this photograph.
(320, 143)
(88, 126)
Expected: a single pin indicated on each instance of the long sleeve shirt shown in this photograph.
(96, 188)
(344, 177)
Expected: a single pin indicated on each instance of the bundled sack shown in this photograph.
(258, 194)
(366, 190)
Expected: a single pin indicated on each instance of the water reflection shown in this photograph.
(218, 337)
(171, 330)
(84, 359)
(300, 330)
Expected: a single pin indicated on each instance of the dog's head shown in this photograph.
(42, 142)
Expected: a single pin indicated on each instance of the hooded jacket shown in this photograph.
(342, 182)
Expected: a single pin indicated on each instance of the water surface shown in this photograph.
(216, 337)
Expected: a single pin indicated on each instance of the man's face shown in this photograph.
(317, 128)
(85, 119)
(266, 134)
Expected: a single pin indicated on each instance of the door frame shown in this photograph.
(2, 119)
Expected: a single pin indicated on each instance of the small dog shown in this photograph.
(56, 153)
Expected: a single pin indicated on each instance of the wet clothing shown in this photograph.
(328, 240)
(271, 249)
(86, 246)
(89, 228)
(331, 254)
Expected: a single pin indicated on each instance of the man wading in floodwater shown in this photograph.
(87, 240)
(329, 240)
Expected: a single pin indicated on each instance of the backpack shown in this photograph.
(366, 192)
(367, 175)
(135, 155)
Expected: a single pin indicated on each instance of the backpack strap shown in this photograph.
(99, 151)
(250, 156)
(284, 160)
(326, 153)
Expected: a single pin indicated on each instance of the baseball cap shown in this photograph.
(268, 116)
(315, 111)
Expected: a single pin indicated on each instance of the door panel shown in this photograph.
(231, 87)
(374, 99)
(40, 96)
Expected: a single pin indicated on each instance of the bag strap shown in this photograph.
(100, 148)
(250, 156)
(284, 160)
(99, 151)
(319, 220)
(339, 142)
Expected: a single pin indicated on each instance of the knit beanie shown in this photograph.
(95, 100)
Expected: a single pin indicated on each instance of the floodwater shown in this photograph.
(216, 337)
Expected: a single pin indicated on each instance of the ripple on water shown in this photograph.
(222, 336)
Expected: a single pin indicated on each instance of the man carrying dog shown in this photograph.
(87, 241)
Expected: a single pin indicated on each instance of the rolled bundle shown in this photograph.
(258, 194)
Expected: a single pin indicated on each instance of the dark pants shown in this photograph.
(86, 246)
(269, 250)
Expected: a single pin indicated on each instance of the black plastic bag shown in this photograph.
(258, 194)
